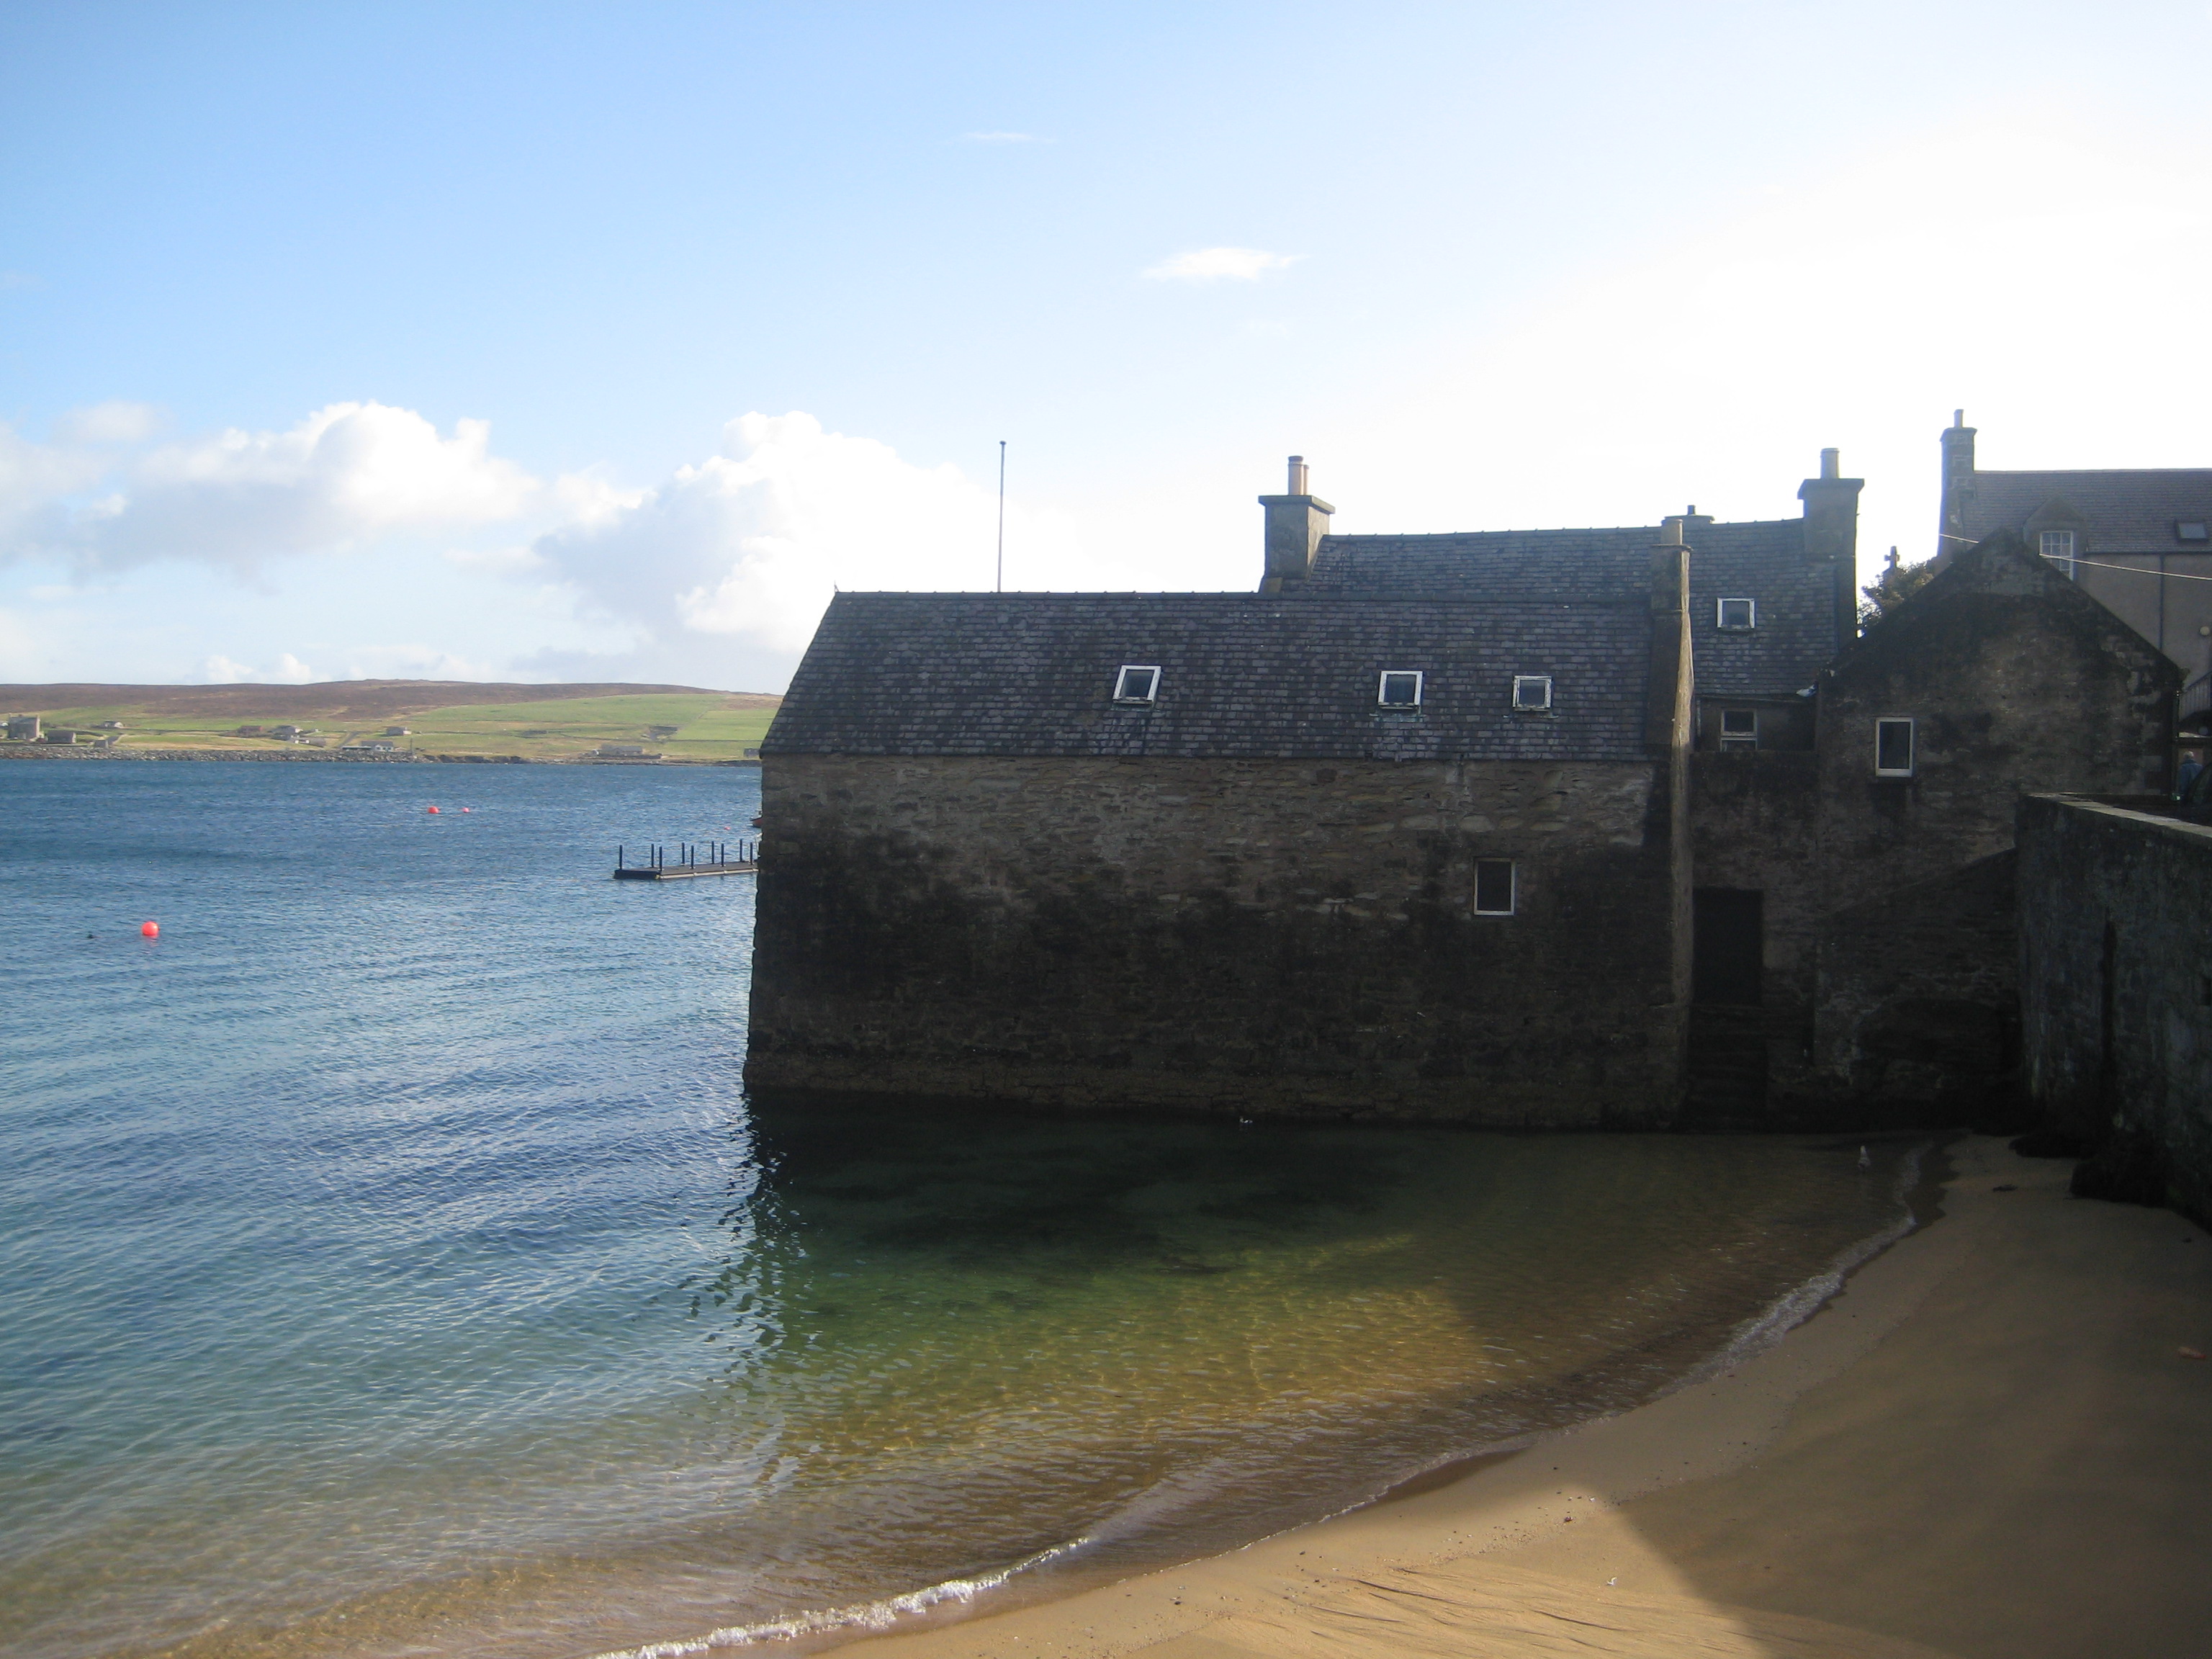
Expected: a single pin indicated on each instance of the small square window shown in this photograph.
(1136, 684)
(1532, 691)
(1739, 616)
(2188, 530)
(1893, 749)
(1494, 887)
(1739, 729)
(1400, 688)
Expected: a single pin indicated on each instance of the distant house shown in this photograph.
(397, 732)
(2123, 535)
(288, 733)
(24, 728)
(624, 752)
(111, 725)
(373, 747)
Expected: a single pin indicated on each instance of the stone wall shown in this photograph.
(2115, 989)
(2016, 683)
(1251, 936)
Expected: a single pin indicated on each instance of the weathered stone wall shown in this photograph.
(2017, 683)
(1916, 991)
(1754, 827)
(2116, 985)
(1251, 936)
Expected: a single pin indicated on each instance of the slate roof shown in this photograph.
(1244, 675)
(2123, 510)
(1763, 560)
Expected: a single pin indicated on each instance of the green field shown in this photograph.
(708, 724)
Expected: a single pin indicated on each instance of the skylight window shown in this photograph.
(1738, 616)
(1137, 683)
(1400, 688)
(1532, 692)
(1893, 749)
(2191, 531)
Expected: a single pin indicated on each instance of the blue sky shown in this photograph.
(594, 342)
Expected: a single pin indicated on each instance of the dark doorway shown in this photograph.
(1727, 944)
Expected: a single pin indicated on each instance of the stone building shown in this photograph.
(1391, 857)
(1563, 828)
(2137, 540)
(1877, 867)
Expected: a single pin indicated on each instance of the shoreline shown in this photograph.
(1987, 1443)
(328, 757)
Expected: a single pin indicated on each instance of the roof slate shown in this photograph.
(2122, 511)
(1243, 676)
(1760, 559)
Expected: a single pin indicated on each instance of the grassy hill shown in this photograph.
(539, 722)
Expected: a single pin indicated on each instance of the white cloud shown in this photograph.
(724, 570)
(109, 423)
(290, 671)
(1213, 265)
(345, 476)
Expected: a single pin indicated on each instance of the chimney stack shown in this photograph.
(1831, 537)
(1957, 487)
(1296, 522)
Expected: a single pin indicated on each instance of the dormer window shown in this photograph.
(1739, 730)
(1136, 682)
(1532, 693)
(2190, 530)
(2058, 545)
(1738, 616)
(1399, 688)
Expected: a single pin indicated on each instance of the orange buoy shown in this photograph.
(431, 809)
(150, 929)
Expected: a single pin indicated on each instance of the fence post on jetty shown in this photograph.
(619, 855)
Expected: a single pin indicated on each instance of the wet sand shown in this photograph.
(1988, 1446)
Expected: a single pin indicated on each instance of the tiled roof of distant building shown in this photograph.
(2121, 510)
(1762, 559)
(1243, 676)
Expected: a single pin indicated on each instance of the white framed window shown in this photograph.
(1137, 683)
(1399, 688)
(1739, 729)
(1532, 691)
(2058, 545)
(1497, 886)
(1893, 747)
(1737, 615)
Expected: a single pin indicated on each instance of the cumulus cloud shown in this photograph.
(730, 562)
(345, 476)
(108, 423)
(1214, 264)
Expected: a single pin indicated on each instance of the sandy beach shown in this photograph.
(1991, 1445)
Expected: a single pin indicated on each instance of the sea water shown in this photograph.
(390, 1262)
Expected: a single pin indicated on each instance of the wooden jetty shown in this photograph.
(689, 859)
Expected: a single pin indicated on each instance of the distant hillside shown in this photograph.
(458, 717)
(329, 700)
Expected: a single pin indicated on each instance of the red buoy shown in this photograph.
(431, 810)
(150, 929)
